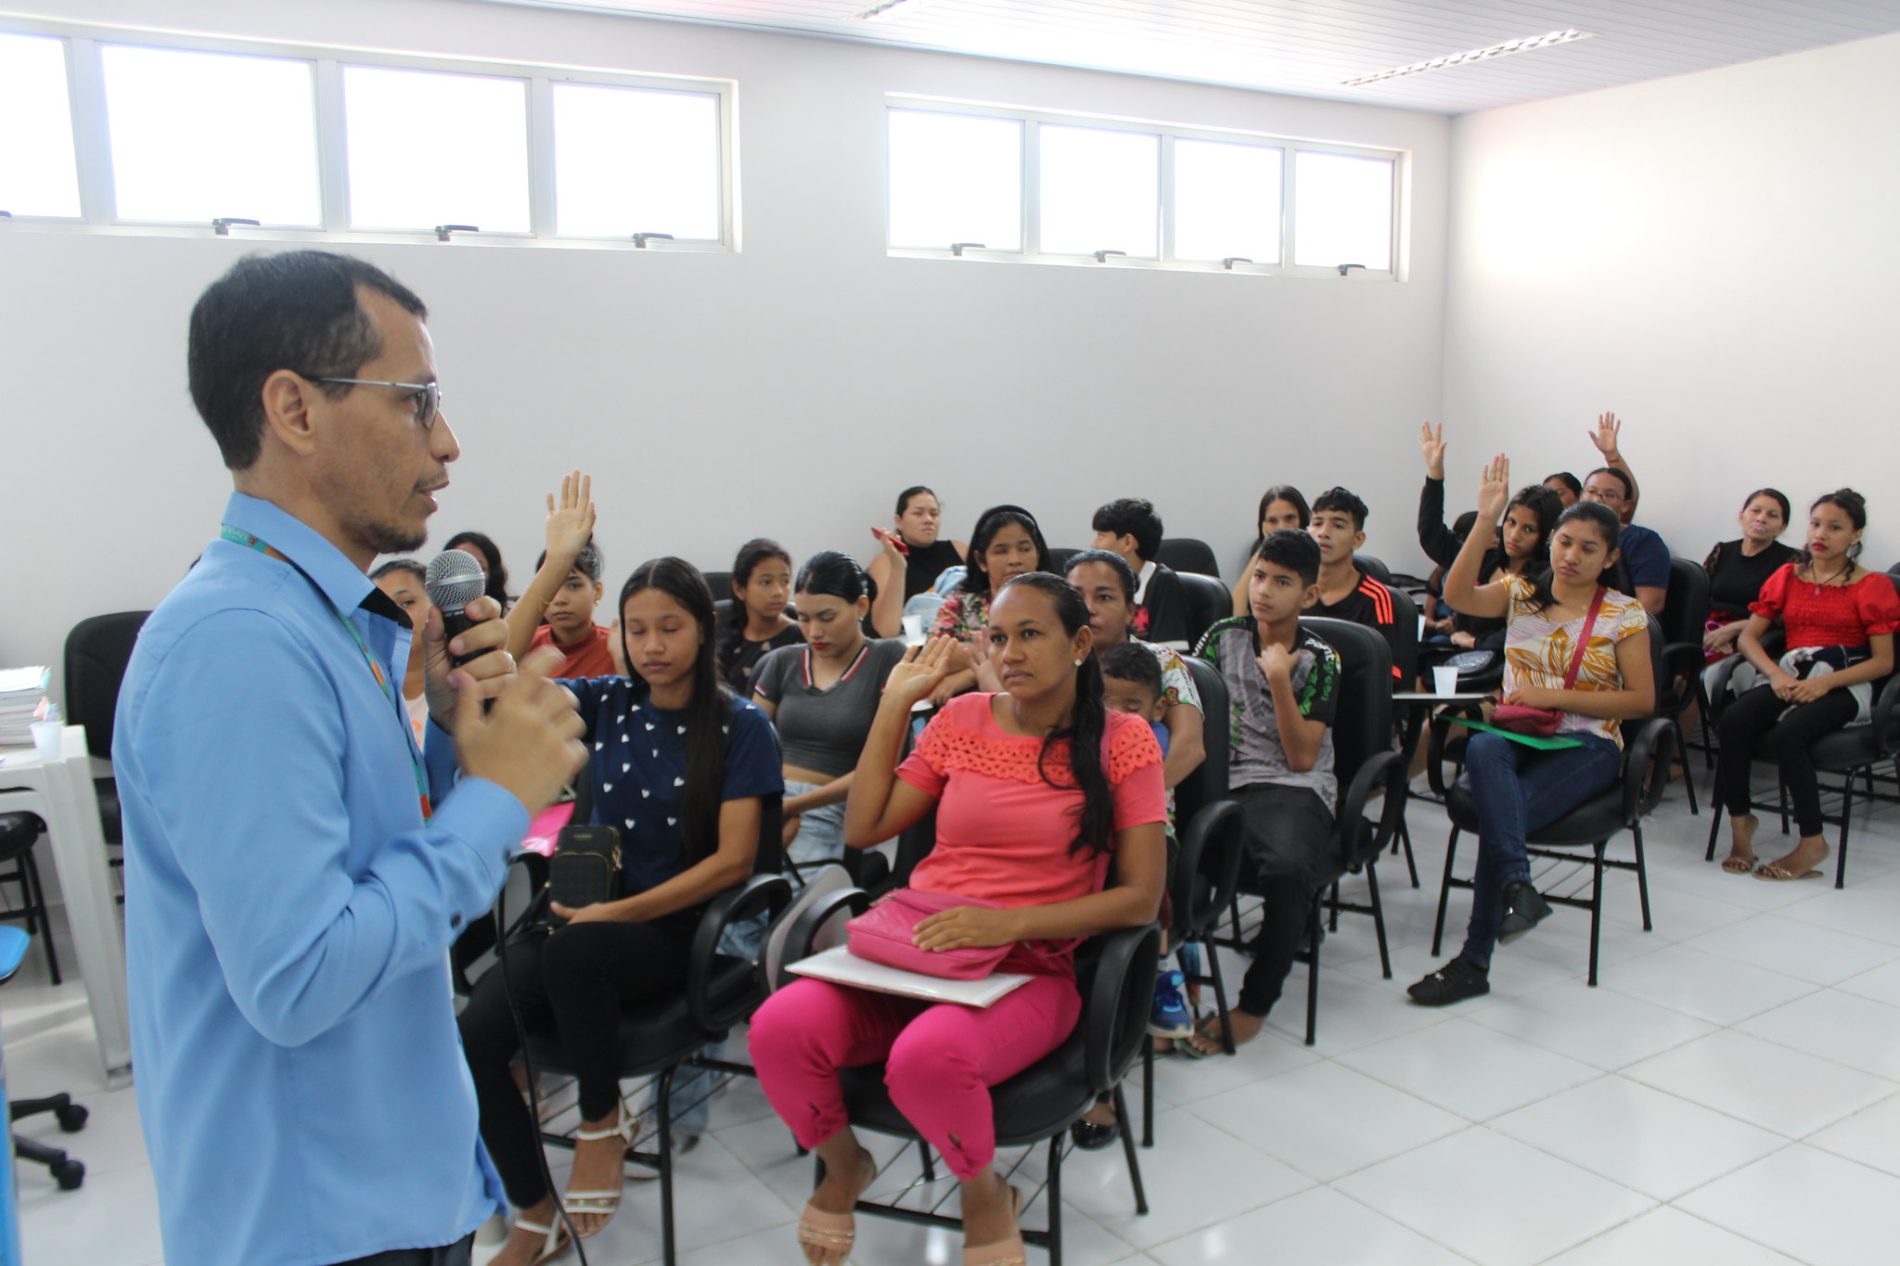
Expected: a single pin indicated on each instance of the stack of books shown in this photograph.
(22, 691)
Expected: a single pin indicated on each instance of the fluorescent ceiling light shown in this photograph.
(890, 9)
(1505, 49)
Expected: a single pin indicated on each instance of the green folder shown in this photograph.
(1538, 741)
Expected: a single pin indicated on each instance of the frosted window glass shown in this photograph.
(37, 175)
(1342, 210)
(1100, 191)
(428, 148)
(630, 160)
(956, 178)
(1226, 201)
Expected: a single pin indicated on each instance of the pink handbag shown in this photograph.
(1543, 722)
(886, 933)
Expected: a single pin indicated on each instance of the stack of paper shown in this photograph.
(21, 691)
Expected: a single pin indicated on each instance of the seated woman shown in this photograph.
(488, 554)
(757, 623)
(1281, 506)
(1738, 569)
(1839, 619)
(404, 581)
(924, 555)
(1006, 543)
(1563, 617)
(1522, 548)
(822, 696)
(1037, 790)
(681, 769)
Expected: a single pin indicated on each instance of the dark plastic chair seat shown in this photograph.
(1042, 1100)
(18, 832)
(655, 1034)
(1597, 818)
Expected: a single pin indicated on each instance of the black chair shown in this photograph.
(1685, 616)
(1186, 553)
(1059, 557)
(1365, 766)
(720, 582)
(1647, 753)
(1115, 974)
(1370, 566)
(67, 1172)
(1208, 600)
(1405, 648)
(19, 833)
(97, 651)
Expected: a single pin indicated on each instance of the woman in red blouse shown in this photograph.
(1839, 619)
(1037, 789)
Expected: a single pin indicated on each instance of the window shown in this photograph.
(956, 178)
(1226, 201)
(1342, 210)
(200, 135)
(1120, 192)
(630, 160)
(37, 172)
(428, 149)
(1100, 191)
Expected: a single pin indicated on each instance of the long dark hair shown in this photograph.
(1279, 492)
(730, 637)
(1599, 516)
(1775, 495)
(976, 573)
(495, 585)
(1855, 507)
(1547, 507)
(1088, 722)
(708, 712)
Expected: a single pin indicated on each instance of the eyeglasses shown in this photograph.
(427, 395)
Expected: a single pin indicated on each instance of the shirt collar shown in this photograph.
(1141, 580)
(339, 579)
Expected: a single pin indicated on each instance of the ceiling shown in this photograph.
(1309, 47)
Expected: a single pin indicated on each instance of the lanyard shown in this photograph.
(238, 537)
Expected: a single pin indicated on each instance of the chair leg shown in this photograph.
(1332, 908)
(1128, 1150)
(1378, 918)
(1715, 824)
(1642, 876)
(1055, 1201)
(1444, 892)
(1312, 973)
(1596, 907)
(1405, 842)
(1840, 857)
(36, 896)
(1783, 786)
(1702, 722)
(930, 1165)
(1147, 1094)
(1220, 995)
(1682, 758)
(664, 1092)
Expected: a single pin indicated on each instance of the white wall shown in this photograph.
(789, 389)
(1714, 257)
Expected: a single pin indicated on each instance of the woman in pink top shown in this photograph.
(1036, 789)
(1840, 619)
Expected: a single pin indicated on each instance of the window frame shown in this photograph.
(1289, 147)
(85, 80)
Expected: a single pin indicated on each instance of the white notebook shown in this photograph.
(841, 967)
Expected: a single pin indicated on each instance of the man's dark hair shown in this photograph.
(296, 310)
(1297, 552)
(1133, 662)
(1132, 516)
(1341, 499)
(1568, 480)
(587, 562)
(1629, 490)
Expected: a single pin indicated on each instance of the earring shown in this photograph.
(1078, 663)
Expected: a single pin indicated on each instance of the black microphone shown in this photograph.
(455, 579)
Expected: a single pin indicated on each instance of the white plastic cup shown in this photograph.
(49, 738)
(1445, 679)
(913, 630)
(1421, 628)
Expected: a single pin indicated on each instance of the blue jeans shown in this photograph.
(1518, 789)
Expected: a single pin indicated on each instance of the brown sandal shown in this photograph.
(1009, 1252)
(1739, 863)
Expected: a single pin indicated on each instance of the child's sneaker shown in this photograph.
(1170, 1017)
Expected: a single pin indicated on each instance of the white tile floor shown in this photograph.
(1731, 1093)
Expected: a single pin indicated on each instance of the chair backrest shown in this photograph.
(1059, 556)
(97, 652)
(1362, 717)
(1405, 636)
(1373, 567)
(1187, 553)
(720, 582)
(1207, 783)
(1686, 602)
(1208, 600)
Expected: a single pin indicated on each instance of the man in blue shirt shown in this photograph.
(295, 868)
(1642, 568)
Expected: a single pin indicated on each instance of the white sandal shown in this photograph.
(603, 1202)
(554, 1239)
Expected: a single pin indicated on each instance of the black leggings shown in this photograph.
(1792, 732)
(576, 979)
(1288, 856)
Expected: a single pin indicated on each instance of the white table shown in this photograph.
(61, 792)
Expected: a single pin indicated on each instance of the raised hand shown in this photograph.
(571, 519)
(1432, 443)
(1494, 489)
(894, 547)
(1609, 431)
(988, 679)
(921, 671)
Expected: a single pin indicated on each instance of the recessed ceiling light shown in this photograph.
(1505, 49)
(889, 9)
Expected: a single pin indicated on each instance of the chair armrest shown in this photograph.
(1213, 836)
(1646, 767)
(755, 896)
(1115, 1014)
(1381, 772)
(1885, 737)
(1717, 684)
(805, 928)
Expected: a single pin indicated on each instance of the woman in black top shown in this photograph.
(1738, 568)
(914, 555)
(755, 621)
(1523, 540)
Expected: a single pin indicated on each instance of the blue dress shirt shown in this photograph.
(300, 1077)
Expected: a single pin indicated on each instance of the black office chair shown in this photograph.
(19, 833)
(1647, 753)
(1059, 556)
(67, 1172)
(1685, 616)
(1365, 765)
(720, 582)
(97, 651)
(1208, 600)
(1186, 553)
(1370, 566)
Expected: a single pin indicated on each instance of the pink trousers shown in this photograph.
(940, 1060)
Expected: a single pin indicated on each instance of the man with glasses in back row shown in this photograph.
(296, 867)
(1642, 568)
